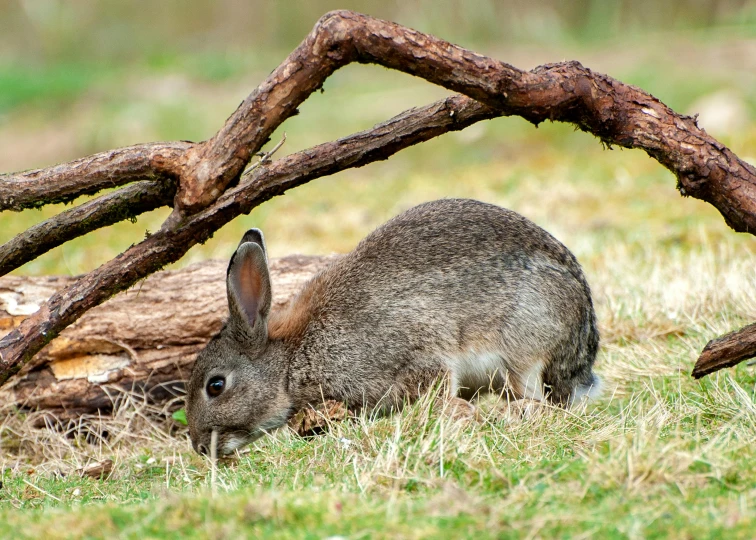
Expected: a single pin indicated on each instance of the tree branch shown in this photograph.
(125, 203)
(88, 175)
(618, 114)
(726, 351)
(167, 246)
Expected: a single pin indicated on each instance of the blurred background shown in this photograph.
(82, 77)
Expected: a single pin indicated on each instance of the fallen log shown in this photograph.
(143, 341)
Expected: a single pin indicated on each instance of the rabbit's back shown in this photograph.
(482, 290)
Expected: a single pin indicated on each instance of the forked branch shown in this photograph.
(617, 113)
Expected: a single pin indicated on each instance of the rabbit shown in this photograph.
(454, 287)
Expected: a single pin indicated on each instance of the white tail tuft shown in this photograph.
(587, 392)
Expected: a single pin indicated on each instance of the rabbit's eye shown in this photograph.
(215, 386)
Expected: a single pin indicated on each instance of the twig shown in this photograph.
(264, 157)
(41, 490)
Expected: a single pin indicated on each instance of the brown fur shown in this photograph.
(290, 322)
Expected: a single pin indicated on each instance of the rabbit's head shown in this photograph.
(238, 384)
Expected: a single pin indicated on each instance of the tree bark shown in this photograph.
(67, 181)
(143, 341)
(126, 203)
(726, 351)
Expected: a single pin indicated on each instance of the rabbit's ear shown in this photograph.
(256, 237)
(248, 288)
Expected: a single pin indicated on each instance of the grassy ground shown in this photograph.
(659, 455)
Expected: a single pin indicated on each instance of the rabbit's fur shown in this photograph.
(454, 286)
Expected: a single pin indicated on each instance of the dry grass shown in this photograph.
(35, 441)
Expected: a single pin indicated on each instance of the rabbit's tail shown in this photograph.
(586, 384)
(587, 391)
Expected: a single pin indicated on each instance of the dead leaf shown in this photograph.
(100, 469)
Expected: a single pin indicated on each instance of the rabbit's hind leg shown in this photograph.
(528, 383)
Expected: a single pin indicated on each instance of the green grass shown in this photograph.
(657, 456)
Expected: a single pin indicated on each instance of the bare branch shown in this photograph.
(125, 203)
(619, 114)
(167, 246)
(88, 175)
(726, 351)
